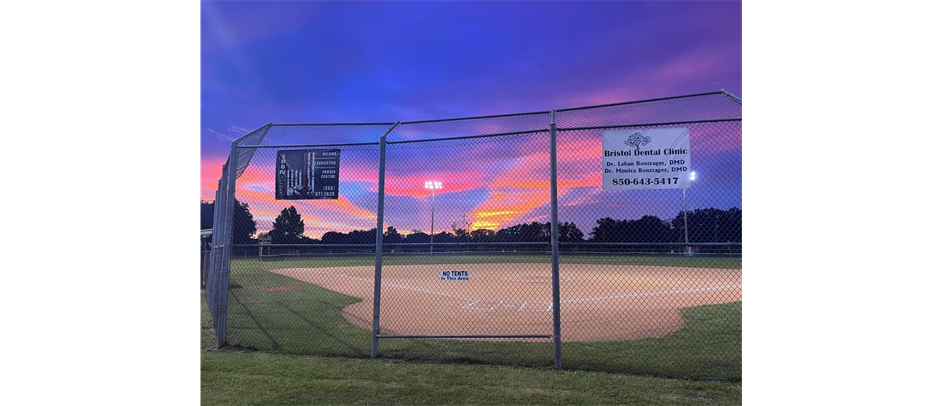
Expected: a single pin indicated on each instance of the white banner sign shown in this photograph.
(655, 158)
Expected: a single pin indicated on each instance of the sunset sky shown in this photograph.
(325, 62)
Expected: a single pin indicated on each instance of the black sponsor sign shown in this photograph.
(307, 174)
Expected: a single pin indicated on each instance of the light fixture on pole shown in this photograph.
(693, 177)
(432, 185)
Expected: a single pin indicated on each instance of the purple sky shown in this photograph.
(314, 62)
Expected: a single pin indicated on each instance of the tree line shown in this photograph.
(702, 225)
(245, 224)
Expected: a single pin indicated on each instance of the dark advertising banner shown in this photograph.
(307, 174)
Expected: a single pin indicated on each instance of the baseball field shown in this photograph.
(664, 315)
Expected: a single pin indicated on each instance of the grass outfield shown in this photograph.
(236, 377)
(309, 321)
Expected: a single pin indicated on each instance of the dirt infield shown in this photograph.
(597, 302)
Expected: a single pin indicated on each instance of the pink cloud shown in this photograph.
(210, 172)
(666, 79)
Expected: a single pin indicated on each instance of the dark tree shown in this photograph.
(568, 232)
(462, 235)
(444, 236)
(417, 237)
(288, 227)
(731, 230)
(243, 222)
(535, 232)
(609, 230)
(460, 230)
(710, 225)
(508, 234)
(206, 215)
(723, 226)
(646, 229)
(362, 236)
(527, 232)
(392, 236)
(483, 235)
(333, 237)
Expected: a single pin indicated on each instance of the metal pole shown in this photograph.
(731, 96)
(431, 246)
(554, 242)
(686, 248)
(203, 247)
(229, 227)
(378, 275)
(215, 255)
(219, 243)
(207, 246)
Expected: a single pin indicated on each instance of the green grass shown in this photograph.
(309, 321)
(207, 337)
(237, 377)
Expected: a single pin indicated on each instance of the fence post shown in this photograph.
(378, 273)
(219, 232)
(203, 263)
(554, 241)
(223, 300)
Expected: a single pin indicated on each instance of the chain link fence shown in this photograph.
(440, 244)
(204, 258)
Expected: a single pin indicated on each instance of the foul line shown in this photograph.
(469, 304)
(669, 292)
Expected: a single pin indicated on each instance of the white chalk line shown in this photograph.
(469, 304)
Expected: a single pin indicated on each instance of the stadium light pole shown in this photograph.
(693, 177)
(432, 185)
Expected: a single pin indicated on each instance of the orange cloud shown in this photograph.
(525, 185)
(516, 184)
(256, 188)
(413, 185)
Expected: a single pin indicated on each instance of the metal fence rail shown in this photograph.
(489, 239)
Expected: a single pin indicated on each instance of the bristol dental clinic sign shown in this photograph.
(654, 158)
